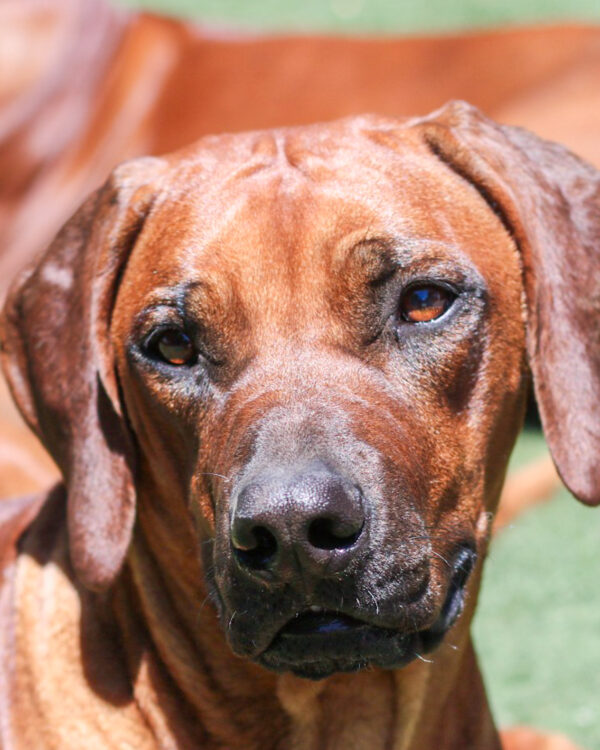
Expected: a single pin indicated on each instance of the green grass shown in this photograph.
(383, 16)
(538, 623)
(531, 445)
(538, 618)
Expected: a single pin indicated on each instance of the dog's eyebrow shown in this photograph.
(378, 256)
(383, 256)
(407, 249)
(173, 296)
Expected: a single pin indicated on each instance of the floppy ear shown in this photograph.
(58, 361)
(549, 201)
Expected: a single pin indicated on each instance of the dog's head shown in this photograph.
(312, 346)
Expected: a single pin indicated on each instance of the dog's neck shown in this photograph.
(222, 699)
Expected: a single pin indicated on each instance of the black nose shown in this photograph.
(312, 519)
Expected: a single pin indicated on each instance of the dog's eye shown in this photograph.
(174, 346)
(425, 302)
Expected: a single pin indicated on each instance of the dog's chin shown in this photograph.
(316, 643)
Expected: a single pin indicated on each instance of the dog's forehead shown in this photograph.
(279, 201)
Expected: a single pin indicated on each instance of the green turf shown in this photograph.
(531, 445)
(375, 15)
(538, 622)
(538, 618)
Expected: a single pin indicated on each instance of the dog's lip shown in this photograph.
(316, 644)
(315, 634)
(463, 564)
(324, 623)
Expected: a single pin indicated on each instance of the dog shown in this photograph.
(282, 373)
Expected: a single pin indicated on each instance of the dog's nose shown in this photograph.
(313, 521)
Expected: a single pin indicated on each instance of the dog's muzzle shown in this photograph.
(302, 559)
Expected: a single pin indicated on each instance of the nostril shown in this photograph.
(261, 554)
(327, 533)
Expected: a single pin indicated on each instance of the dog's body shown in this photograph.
(303, 355)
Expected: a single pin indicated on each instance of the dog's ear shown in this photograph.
(549, 201)
(58, 361)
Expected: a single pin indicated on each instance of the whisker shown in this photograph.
(422, 658)
(442, 558)
(214, 474)
(375, 601)
(199, 613)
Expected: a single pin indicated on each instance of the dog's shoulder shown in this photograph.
(20, 518)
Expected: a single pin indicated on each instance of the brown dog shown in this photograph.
(302, 355)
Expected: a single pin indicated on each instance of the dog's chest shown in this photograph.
(52, 647)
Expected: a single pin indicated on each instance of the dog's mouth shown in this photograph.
(316, 642)
(321, 623)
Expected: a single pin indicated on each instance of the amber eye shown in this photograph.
(175, 347)
(424, 303)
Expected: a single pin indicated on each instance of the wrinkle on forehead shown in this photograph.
(300, 177)
(320, 152)
(303, 194)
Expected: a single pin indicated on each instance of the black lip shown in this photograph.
(336, 645)
(316, 644)
(463, 565)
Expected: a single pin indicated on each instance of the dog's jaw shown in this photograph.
(378, 706)
(315, 642)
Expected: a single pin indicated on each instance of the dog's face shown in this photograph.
(306, 351)
(310, 351)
